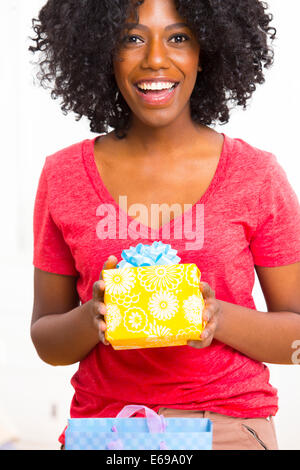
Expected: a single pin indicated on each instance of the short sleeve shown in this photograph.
(276, 240)
(51, 252)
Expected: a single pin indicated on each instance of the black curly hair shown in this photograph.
(78, 39)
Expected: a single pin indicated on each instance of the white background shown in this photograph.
(35, 397)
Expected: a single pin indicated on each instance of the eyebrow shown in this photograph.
(145, 28)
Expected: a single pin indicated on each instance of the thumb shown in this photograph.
(110, 263)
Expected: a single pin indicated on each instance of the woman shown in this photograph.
(159, 73)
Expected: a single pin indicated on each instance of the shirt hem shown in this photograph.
(54, 269)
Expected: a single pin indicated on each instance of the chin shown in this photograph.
(158, 118)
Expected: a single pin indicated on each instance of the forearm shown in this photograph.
(263, 336)
(64, 339)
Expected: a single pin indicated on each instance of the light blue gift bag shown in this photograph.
(154, 432)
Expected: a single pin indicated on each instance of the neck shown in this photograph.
(171, 139)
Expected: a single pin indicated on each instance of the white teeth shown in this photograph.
(155, 85)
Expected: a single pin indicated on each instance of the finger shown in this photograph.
(208, 331)
(102, 326)
(103, 339)
(102, 310)
(200, 344)
(110, 263)
(195, 344)
(206, 290)
(211, 310)
(206, 336)
(102, 329)
(208, 313)
(98, 290)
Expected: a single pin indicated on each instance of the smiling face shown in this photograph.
(157, 63)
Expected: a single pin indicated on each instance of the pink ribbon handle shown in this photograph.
(156, 423)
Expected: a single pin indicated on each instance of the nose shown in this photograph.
(156, 55)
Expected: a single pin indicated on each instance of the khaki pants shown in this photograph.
(233, 433)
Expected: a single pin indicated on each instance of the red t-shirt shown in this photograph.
(248, 216)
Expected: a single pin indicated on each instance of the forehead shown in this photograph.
(154, 13)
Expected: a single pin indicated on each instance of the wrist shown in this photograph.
(89, 317)
(218, 335)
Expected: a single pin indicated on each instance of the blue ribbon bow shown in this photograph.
(148, 255)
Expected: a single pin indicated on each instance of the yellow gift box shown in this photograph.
(153, 306)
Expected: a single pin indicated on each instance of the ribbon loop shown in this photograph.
(156, 423)
(158, 253)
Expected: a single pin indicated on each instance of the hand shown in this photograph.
(211, 314)
(98, 305)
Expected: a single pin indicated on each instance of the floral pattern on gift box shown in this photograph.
(163, 305)
(161, 277)
(113, 317)
(160, 306)
(126, 300)
(156, 330)
(192, 275)
(135, 319)
(193, 308)
(119, 281)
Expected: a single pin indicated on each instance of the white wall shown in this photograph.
(34, 396)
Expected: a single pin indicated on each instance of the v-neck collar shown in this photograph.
(88, 156)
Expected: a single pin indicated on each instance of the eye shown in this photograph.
(128, 39)
(180, 36)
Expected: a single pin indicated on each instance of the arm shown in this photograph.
(263, 336)
(63, 331)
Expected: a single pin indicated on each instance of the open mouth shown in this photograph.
(163, 90)
(157, 97)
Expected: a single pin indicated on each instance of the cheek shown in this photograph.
(118, 72)
(190, 76)
(189, 65)
(122, 70)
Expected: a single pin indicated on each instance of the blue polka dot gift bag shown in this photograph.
(125, 432)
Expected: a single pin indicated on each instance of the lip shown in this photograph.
(157, 98)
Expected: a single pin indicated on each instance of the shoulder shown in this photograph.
(64, 173)
(67, 161)
(250, 160)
